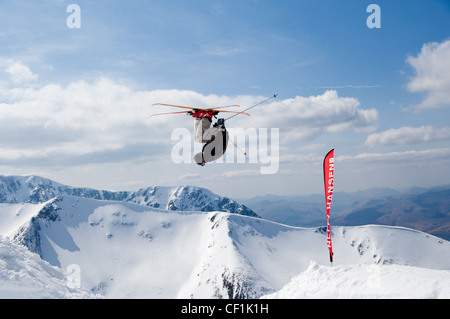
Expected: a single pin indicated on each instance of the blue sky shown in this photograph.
(78, 99)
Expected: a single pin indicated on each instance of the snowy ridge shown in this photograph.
(113, 242)
(35, 189)
(159, 243)
(12, 216)
(125, 250)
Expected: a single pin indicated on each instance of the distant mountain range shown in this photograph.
(184, 242)
(35, 189)
(426, 210)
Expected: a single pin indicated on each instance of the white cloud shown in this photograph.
(238, 173)
(301, 158)
(432, 66)
(189, 176)
(349, 86)
(107, 121)
(408, 136)
(19, 72)
(423, 157)
(91, 121)
(303, 118)
(83, 120)
(220, 51)
(394, 169)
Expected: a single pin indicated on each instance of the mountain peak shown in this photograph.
(129, 248)
(35, 189)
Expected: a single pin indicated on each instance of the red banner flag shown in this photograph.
(328, 173)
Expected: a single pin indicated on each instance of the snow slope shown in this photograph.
(25, 275)
(125, 250)
(366, 281)
(12, 216)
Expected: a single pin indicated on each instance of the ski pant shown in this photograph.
(202, 130)
(216, 139)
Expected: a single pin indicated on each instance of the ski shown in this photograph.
(196, 108)
(208, 110)
(193, 109)
(169, 113)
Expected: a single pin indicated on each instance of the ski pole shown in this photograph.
(274, 96)
(245, 154)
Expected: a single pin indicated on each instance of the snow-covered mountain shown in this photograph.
(25, 275)
(122, 249)
(125, 250)
(35, 189)
(129, 250)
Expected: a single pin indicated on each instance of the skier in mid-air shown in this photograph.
(215, 137)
